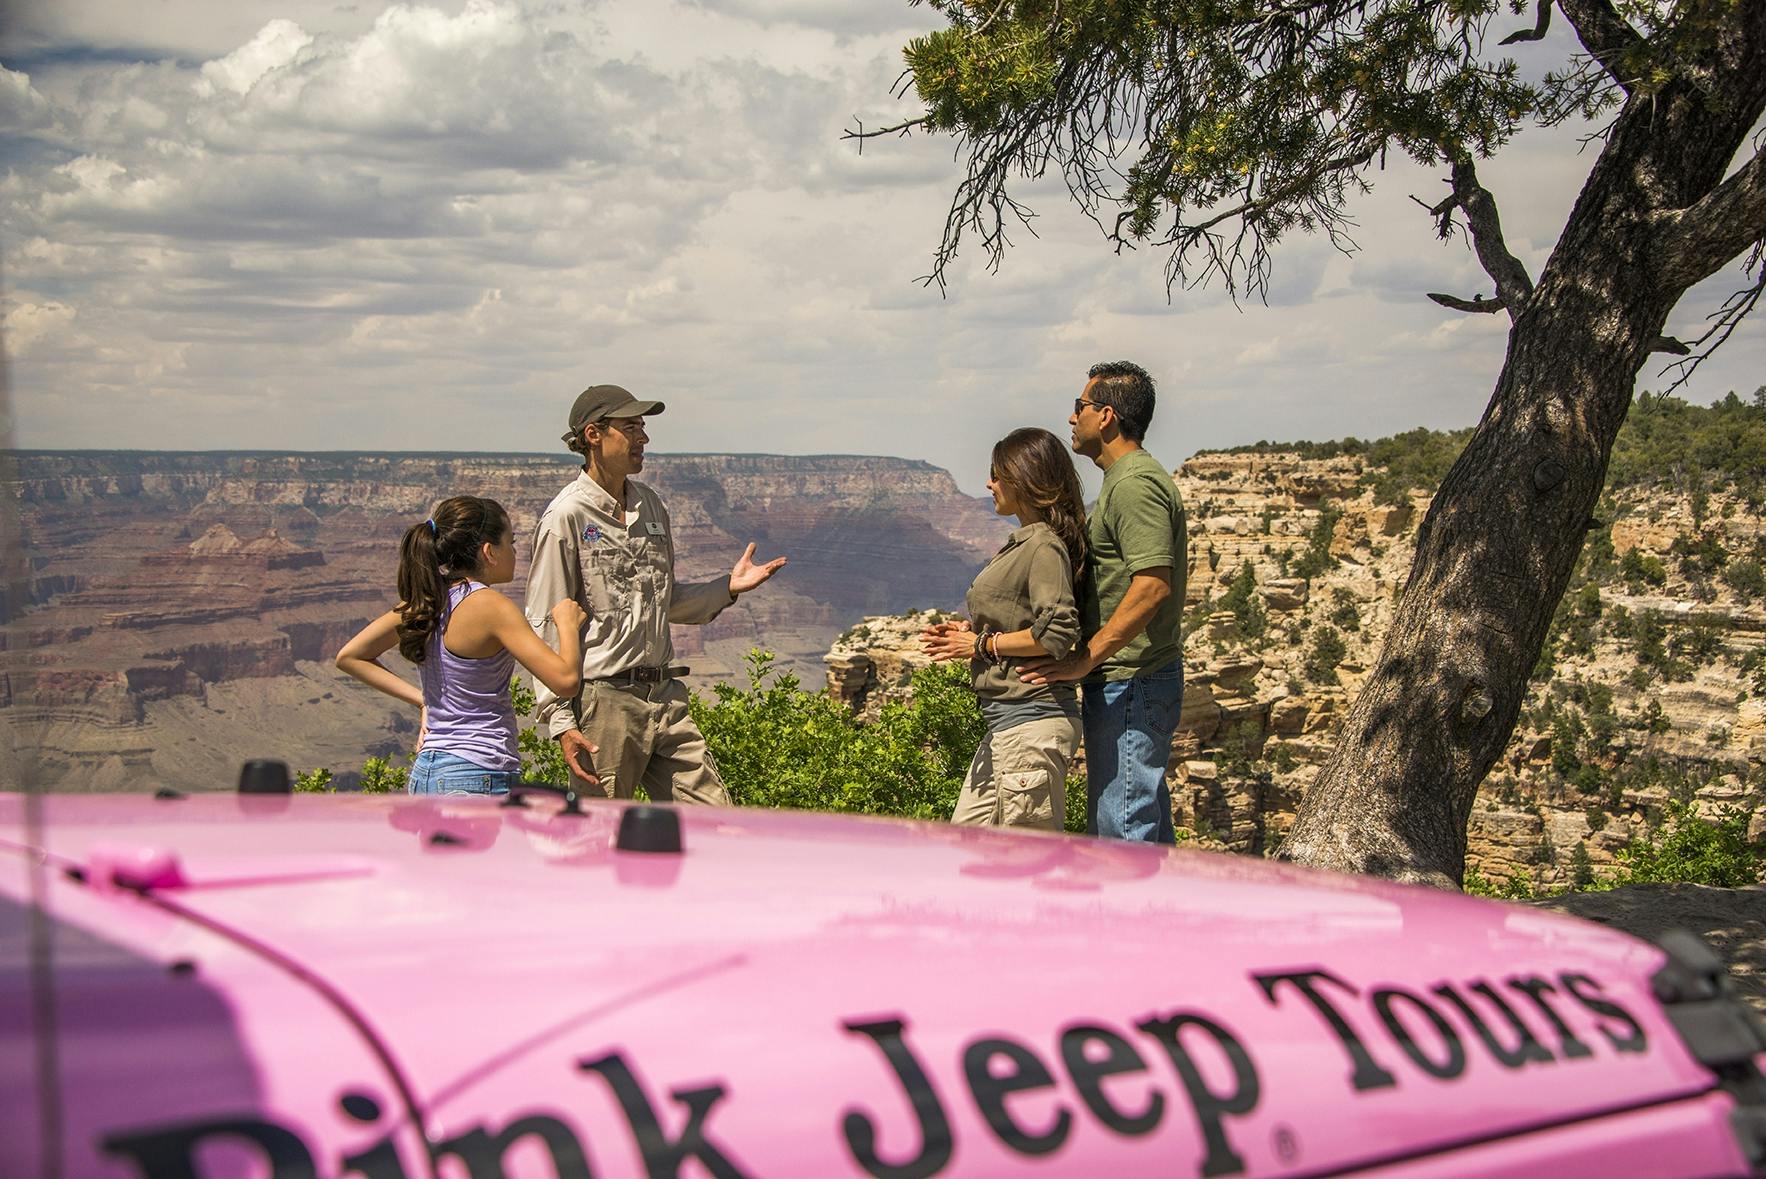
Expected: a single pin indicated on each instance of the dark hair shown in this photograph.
(1036, 466)
(435, 552)
(1126, 388)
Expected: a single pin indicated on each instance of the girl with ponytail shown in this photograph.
(1022, 607)
(465, 639)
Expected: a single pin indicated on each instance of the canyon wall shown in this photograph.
(184, 608)
(1653, 688)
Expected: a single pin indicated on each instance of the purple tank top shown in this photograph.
(470, 713)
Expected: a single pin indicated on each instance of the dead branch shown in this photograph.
(1477, 303)
(1513, 286)
(1541, 26)
(1723, 321)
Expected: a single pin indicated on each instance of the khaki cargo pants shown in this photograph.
(1019, 776)
(644, 734)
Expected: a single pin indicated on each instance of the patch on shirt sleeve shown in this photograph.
(591, 534)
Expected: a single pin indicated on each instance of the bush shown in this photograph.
(1317, 557)
(1699, 556)
(779, 746)
(1581, 867)
(1700, 639)
(1689, 850)
(1640, 569)
(542, 759)
(1345, 612)
(1327, 652)
(1241, 599)
(1075, 817)
(380, 776)
(1745, 578)
(1516, 888)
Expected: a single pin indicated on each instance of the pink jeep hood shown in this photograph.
(400, 987)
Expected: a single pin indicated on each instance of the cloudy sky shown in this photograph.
(292, 224)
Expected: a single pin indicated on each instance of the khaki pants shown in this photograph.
(1019, 776)
(644, 734)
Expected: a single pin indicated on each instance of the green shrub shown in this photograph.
(1326, 653)
(1317, 557)
(1687, 849)
(1241, 599)
(779, 746)
(1699, 556)
(1745, 578)
(1700, 639)
(1345, 612)
(1518, 887)
(1074, 820)
(542, 759)
(1581, 867)
(379, 776)
(1640, 569)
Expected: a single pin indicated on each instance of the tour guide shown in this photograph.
(605, 541)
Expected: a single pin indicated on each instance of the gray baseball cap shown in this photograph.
(597, 403)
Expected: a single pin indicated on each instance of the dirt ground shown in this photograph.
(1731, 920)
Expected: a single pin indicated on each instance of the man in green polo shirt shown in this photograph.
(1131, 607)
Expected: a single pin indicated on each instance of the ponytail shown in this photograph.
(441, 550)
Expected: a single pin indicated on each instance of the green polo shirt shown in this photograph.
(1137, 525)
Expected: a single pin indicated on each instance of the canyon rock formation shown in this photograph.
(1661, 670)
(184, 608)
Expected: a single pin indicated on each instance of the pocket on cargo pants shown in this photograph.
(1027, 799)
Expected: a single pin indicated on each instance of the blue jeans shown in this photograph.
(435, 772)
(1128, 729)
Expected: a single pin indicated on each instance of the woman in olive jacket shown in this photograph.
(1022, 607)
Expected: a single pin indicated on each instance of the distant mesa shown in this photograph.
(221, 545)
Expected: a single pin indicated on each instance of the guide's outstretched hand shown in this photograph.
(746, 575)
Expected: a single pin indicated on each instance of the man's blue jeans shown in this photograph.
(1128, 729)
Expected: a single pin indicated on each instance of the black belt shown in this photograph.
(642, 675)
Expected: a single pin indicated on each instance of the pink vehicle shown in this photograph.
(393, 988)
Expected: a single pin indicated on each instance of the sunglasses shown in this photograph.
(1079, 404)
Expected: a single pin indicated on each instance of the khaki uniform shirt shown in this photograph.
(1029, 583)
(620, 567)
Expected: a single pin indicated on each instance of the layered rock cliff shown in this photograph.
(185, 607)
(1652, 689)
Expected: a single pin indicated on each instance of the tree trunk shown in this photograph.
(1499, 544)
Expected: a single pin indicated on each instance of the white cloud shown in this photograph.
(275, 47)
(427, 224)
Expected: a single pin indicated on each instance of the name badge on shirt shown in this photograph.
(654, 528)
